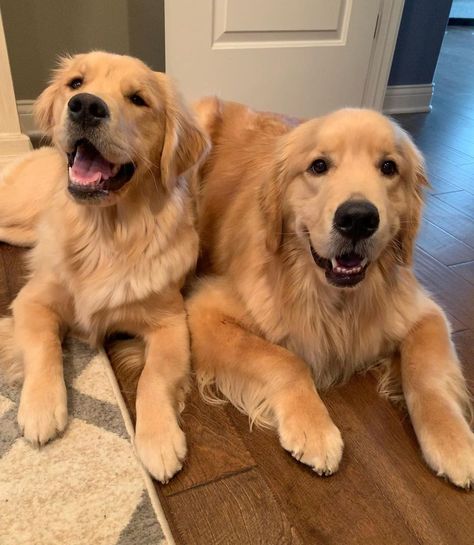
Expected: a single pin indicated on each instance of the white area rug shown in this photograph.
(86, 487)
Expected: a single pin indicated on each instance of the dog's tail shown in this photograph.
(127, 357)
(10, 364)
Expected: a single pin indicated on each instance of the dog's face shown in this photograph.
(353, 192)
(116, 120)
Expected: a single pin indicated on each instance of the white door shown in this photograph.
(299, 57)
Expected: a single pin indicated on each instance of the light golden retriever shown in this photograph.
(308, 235)
(115, 241)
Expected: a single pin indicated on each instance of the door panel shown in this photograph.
(303, 57)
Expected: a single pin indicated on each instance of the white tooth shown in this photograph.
(115, 169)
(364, 262)
(334, 263)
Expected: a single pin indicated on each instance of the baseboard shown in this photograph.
(404, 99)
(25, 113)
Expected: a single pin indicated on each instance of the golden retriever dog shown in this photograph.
(307, 235)
(114, 242)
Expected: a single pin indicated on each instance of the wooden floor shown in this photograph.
(239, 487)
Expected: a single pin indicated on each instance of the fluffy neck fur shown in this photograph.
(108, 257)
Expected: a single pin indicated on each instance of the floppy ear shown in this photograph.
(271, 198)
(44, 106)
(185, 144)
(43, 109)
(276, 176)
(416, 182)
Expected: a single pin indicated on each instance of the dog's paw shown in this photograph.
(162, 450)
(317, 445)
(452, 458)
(43, 411)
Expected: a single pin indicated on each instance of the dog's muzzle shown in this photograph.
(92, 177)
(354, 221)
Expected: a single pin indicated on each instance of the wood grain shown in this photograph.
(237, 510)
(461, 200)
(455, 294)
(443, 246)
(450, 219)
(466, 270)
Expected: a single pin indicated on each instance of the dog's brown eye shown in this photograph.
(137, 100)
(318, 167)
(75, 83)
(388, 168)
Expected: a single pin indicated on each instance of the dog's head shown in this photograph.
(117, 121)
(350, 186)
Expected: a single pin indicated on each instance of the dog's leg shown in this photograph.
(437, 399)
(160, 442)
(38, 330)
(266, 381)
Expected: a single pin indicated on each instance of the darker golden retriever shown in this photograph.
(114, 242)
(307, 236)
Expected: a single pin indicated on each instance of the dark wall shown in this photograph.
(37, 31)
(419, 41)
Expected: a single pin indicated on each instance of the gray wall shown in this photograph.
(419, 41)
(37, 31)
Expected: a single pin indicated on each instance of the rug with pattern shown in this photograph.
(87, 487)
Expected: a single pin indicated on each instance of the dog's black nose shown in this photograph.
(356, 219)
(87, 109)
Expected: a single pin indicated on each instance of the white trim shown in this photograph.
(390, 15)
(12, 143)
(12, 146)
(403, 99)
(25, 113)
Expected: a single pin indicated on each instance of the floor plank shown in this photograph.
(237, 510)
(466, 270)
(461, 200)
(450, 219)
(443, 246)
(454, 293)
(215, 448)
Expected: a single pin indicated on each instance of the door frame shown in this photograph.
(386, 34)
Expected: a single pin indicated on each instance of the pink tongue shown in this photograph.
(349, 260)
(89, 166)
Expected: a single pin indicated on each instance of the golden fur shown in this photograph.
(117, 265)
(267, 327)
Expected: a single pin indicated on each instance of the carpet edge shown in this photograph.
(160, 515)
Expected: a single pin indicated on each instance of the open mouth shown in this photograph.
(345, 270)
(91, 176)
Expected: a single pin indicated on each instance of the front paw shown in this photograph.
(43, 410)
(451, 456)
(161, 448)
(312, 441)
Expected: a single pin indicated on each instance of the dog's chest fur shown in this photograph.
(112, 264)
(337, 332)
